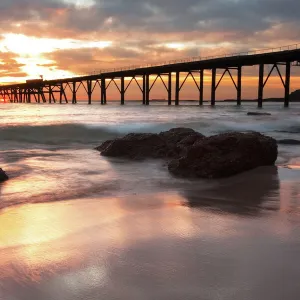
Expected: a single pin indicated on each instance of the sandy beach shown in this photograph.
(75, 225)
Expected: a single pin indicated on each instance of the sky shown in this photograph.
(59, 38)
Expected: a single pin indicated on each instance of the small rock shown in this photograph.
(289, 142)
(3, 176)
(258, 114)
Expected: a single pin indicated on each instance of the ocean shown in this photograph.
(75, 225)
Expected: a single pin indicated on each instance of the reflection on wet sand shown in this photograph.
(243, 194)
(157, 245)
(45, 238)
(290, 191)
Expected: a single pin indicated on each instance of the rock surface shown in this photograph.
(168, 144)
(226, 155)
(258, 114)
(191, 154)
(3, 176)
(295, 96)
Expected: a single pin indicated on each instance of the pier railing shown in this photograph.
(196, 58)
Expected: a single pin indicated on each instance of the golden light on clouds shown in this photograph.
(80, 3)
(26, 45)
(30, 52)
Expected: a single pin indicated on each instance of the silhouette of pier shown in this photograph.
(52, 91)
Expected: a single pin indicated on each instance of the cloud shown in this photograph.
(239, 17)
(141, 31)
(9, 66)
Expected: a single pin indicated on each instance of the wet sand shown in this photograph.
(239, 239)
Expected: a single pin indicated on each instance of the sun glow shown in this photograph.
(177, 46)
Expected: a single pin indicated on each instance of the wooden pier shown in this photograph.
(52, 91)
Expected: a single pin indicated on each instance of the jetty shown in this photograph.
(65, 90)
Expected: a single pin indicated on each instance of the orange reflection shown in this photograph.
(56, 237)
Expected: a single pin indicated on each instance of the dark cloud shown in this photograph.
(243, 17)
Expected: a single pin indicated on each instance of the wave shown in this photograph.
(55, 134)
(66, 134)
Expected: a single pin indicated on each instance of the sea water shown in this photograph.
(75, 225)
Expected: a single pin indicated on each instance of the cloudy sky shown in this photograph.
(59, 38)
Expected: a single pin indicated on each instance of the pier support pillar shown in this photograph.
(213, 86)
(39, 94)
(122, 90)
(261, 85)
(74, 93)
(144, 89)
(20, 96)
(89, 91)
(103, 91)
(16, 94)
(29, 96)
(24, 96)
(170, 89)
(43, 95)
(239, 85)
(201, 87)
(287, 85)
(50, 94)
(61, 90)
(177, 88)
(147, 89)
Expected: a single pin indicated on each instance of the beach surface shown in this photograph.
(75, 225)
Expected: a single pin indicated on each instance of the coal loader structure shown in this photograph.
(58, 90)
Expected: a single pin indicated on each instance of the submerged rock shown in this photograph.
(258, 114)
(289, 142)
(3, 176)
(226, 155)
(191, 154)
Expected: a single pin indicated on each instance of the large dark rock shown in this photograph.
(3, 176)
(168, 144)
(193, 155)
(225, 155)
